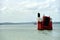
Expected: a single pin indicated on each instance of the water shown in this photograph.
(28, 32)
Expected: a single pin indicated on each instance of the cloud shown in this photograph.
(15, 10)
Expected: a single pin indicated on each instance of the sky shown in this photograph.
(26, 10)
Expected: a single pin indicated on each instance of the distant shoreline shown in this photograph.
(24, 23)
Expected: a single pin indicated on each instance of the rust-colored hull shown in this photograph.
(42, 27)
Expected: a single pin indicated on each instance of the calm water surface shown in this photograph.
(28, 32)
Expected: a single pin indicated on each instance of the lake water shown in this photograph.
(28, 32)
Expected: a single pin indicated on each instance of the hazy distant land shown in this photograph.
(10, 23)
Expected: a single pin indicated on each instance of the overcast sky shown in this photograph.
(26, 10)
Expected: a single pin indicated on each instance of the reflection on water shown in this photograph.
(28, 32)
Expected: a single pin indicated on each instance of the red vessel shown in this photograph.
(45, 24)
